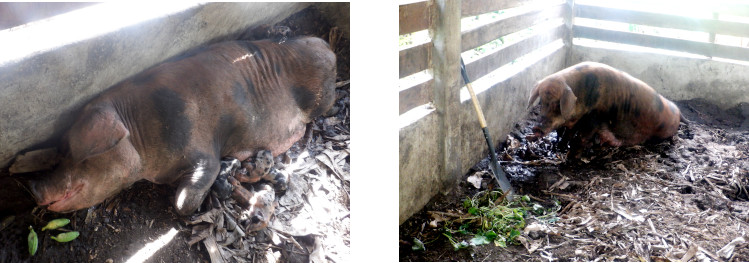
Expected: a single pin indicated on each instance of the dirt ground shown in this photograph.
(680, 200)
(311, 221)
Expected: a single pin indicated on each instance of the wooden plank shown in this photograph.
(487, 64)
(477, 7)
(413, 17)
(415, 96)
(663, 20)
(213, 249)
(414, 59)
(701, 48)
(482, 35)
(569, 21)
(737, 9)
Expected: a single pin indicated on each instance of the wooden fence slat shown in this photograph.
(662, 20)
(477, 7)
(413, 17)
(487, 64)
(415, 96)
(736, 9)
(701, 48)
(414, 59)
(482, 35)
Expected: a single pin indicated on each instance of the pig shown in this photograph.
(173, 123)
(604, 105)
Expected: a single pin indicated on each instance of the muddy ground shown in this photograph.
(680, 200)
(122, 226)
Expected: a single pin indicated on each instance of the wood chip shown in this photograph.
(213, 250)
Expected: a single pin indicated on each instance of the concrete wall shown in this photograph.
(39, 95)
(676, 78)
(421, 175)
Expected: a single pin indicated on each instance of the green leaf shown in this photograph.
(500, 242)
(513, 234)
(538, 209)
(463, 229)
(66, 237)
(479, 240)
(491, 235)
(55, 224)
(525, 198)
(473, 211)
(460, 245)
(33, 241)
(418, 245)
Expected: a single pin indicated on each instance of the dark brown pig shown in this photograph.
(595, 99)
(172, 123)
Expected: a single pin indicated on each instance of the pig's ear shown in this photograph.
(96, 133)
(534, 95)
(567, 103)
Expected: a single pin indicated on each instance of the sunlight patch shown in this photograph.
(415, 114)
(85, 23)
(147, 252)
(412, 80)
(634, 48)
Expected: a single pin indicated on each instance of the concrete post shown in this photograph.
(569, 21)
(445, 64)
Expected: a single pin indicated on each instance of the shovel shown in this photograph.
(499, 174)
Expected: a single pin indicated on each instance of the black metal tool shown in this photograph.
(499, 174)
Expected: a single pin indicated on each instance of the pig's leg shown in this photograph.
(194, 185)
(608, 137)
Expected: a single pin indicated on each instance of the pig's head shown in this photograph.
(99, 162)
(557, 104)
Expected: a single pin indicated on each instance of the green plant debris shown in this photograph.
(418, 245)
(456, 245)
(491, 219)
(66, 237)
(33, 241)
(55, 224)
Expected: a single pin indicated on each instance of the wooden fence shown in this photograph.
(711, 26)
(441, 146)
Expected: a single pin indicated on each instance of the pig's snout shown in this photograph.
(33, 188)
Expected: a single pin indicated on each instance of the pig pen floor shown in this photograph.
(311, 222)
(682, 200)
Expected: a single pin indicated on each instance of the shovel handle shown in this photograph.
(476, 106)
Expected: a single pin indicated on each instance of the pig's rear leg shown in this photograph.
(194, 185)
(608, 137)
